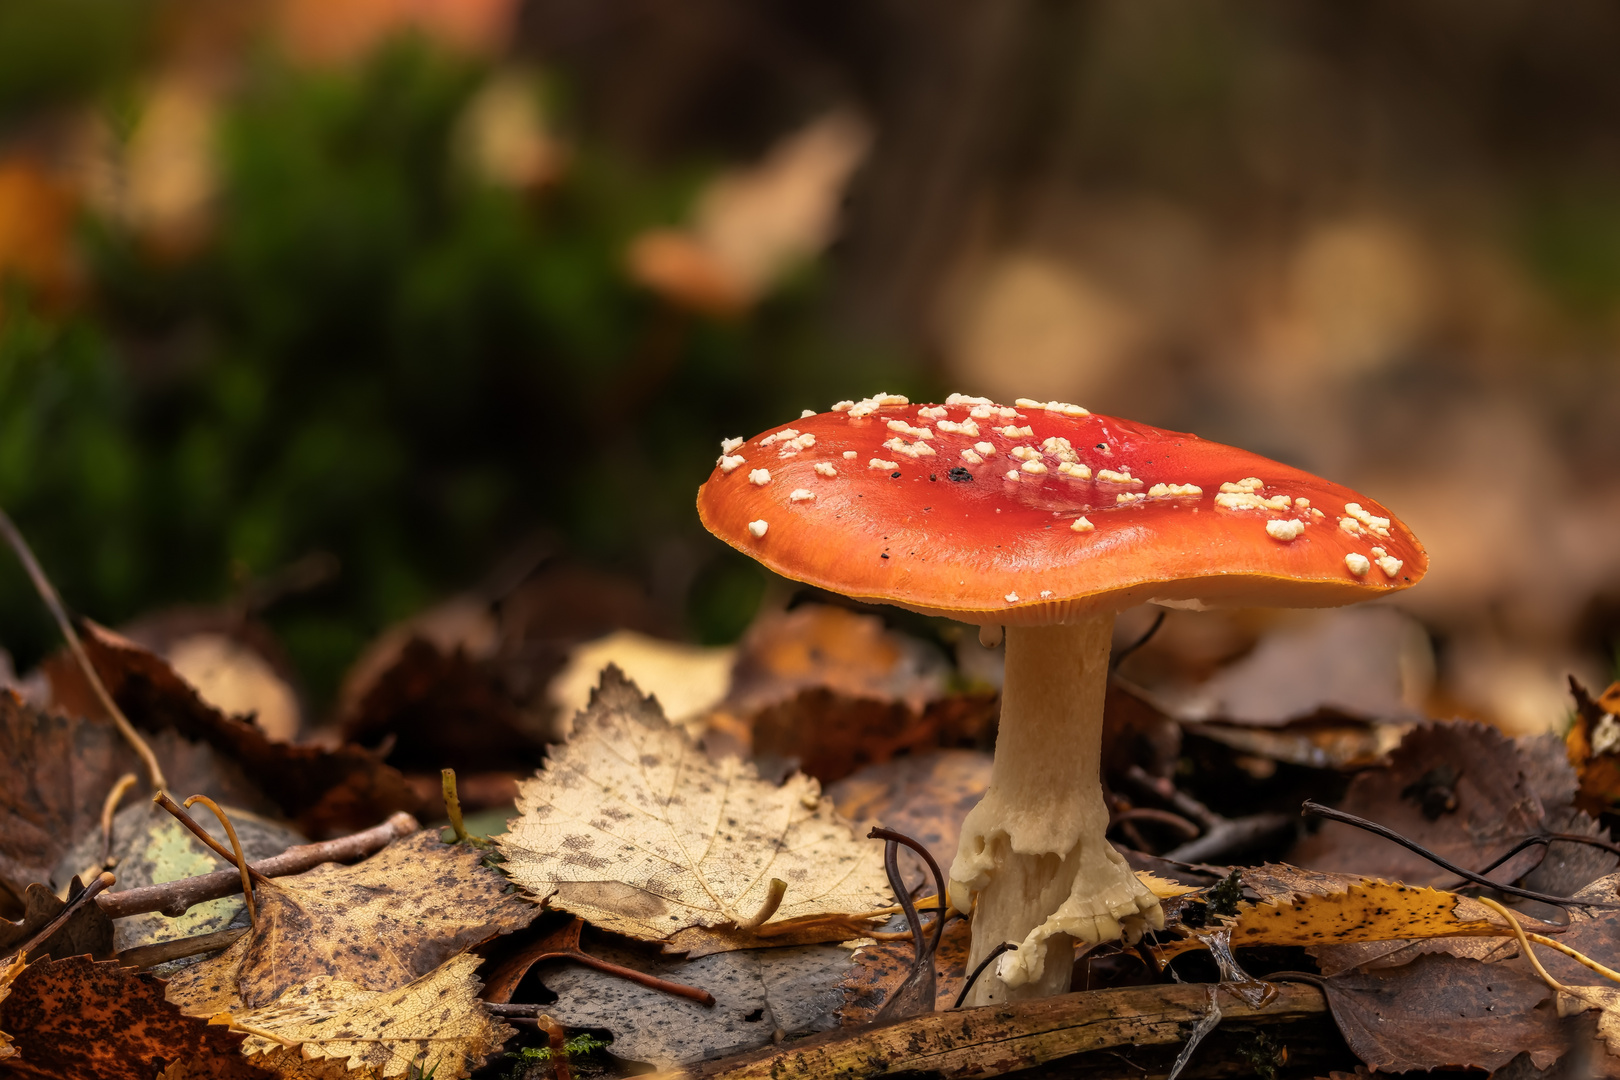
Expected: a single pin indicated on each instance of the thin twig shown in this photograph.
(236, 850)
(141, 957)
(1005, 946)
(47, 593)
(1120, 656)
(1548, 838)
(175, 898)
(1162, 817)
(163, 800)
(1524, 943)
(109, 808)
(1311, 807)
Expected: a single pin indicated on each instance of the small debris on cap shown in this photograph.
(824, 469)
(1357, 563)
(801, 495)
(757, 528)
(760, 477)
(728, 445)
(1082, 525)
(958, 474)
(1284, 530)
(807, 413)
(1011, 598)
(728, 462)
(1390, 565)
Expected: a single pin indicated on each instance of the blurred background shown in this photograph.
(319, 318)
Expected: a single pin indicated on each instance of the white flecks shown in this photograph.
(1061, 449)
(850, 455)
(1175, 491)
(1034, 468)
(758, 528)
(982, 412)
(1025, 453)
(1012, 474)
(914, 432)
(1109, 476)
(868, 406)
(1011, 598)
(1244, 500)
(963, 399)
(966, 427)
(1303, 504)
(984, 448)
(1079, 472)
(1125, 498)
(824, 469)
(1006, 413)
(916, 449)
(932, 412)
(1250, 486)
(1357, 563)
(1378, 553)
(1082, 525)
(728, 445)
(1379, 525)
(801, 495)
(1284, 530)
(1013, 432)
(1389, 564)
(760, 477)
(879, 463)
(785, 433)
(1315, 513)
(807, 413)
(1351, 526)
(843, 406)
(972, 457)
(1052, 406)
(728, 462)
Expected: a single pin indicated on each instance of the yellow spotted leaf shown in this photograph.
(435, 1026)
(633, 828)
(1370, 911)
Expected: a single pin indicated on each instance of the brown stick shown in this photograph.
(163, 800)
(47, 593)
(174, 898)
(86, 895)
(236, 855)
(142, 957)
(997, 1039)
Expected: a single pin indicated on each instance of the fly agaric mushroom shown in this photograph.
(1047, 520)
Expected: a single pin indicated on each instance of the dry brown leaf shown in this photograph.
(8, 976)
(632, 828)
(696, 941)
(1370, 911)
(380, 924)
(436, 1025)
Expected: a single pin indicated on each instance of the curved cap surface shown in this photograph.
(1037, 512)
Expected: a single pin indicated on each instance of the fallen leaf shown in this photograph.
(1367, 911)
(435, 1025)
(380, 924)
(881, 967)
(326, 792)
(925, 796)
(80, 1018)
(8, 975)
(87, 932)
(1316, 744)
(757, 992)
(1459, 789)
(1445, 1012)
(1593, 745)
(688, 680)
(696, 941)
(634, 829)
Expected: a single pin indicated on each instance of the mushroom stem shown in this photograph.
(1034, 849)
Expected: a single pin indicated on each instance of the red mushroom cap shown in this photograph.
(1040, 512)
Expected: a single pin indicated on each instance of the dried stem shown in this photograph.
(236, 849)
(108, 809)
(452, 803)
(563, 944)
(47, 593)
(773, 900)
(86, 894)
(1310, 807)
(1524, 943)
(142, 957)
(174, 898)
(163, 800)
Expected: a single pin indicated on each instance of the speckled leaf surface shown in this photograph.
(380, 924)
(435, 1026)
(756, 992)
(631, 827)
(84, 1019)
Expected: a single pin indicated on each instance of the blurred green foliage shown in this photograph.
(378, 355)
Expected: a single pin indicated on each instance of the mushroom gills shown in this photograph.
(1035, 849)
